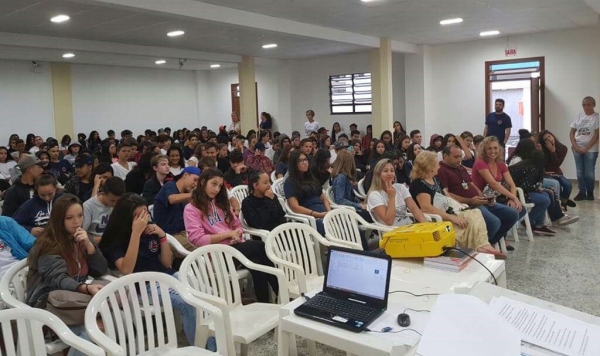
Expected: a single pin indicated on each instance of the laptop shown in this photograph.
(355, 290)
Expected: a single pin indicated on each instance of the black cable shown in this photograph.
(393, 332)
(416, 310)
(413, 294)
(474, 259)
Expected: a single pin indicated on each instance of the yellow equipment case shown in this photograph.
(418, 240)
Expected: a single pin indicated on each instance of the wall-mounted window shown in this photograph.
(350, 94)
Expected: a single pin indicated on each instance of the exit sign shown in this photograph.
(510, 52)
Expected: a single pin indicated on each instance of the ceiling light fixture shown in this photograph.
(270, 45)
(451, 21)
(68, 55)
(60, 18)
(160, 61)
(215, 66)
(175, 33)
(489, 33)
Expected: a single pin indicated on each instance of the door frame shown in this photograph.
(488, 85)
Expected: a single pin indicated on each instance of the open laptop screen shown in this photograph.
(358, 273)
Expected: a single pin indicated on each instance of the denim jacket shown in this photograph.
(343, 193)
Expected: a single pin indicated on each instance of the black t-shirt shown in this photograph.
(148, 259)
(85, 190)
(419, 186)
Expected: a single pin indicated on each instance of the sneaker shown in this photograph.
(590, 196)
(543, 230)
(579, 197)
(567, 219)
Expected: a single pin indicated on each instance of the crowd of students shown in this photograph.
(80, 208)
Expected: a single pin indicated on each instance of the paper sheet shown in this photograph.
(464, 325)
(548, 329)
(418, 322)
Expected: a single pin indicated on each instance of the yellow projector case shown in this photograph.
(418, 240)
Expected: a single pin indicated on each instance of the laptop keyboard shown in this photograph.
(343, 308)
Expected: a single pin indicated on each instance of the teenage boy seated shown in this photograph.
(122, 167)
(170, 202)
(97, 209)
(260, 162)
(60, 168)
(212, 149)
(22, 189)
(238, 173)
(161, 175)
(81, 183)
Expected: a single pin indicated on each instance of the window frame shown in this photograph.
(354, 100)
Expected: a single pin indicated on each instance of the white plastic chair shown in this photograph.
(177, 246)
(329, 195)
(208, 270)
(13, 293)
(273, 176)
(343, 226)
(360, 194)
(277, 187)
(144, 324)
(252, 231)
(240, 192)
(151, 211)
(294, 248)
(527, 206)
(29, 337)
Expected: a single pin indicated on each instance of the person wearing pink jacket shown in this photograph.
(209, 219)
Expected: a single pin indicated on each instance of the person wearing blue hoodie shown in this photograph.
(34, 214)
(15, 243)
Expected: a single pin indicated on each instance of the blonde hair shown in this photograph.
(483, 146)
(344, 164)
(377, 183)
(423, 164)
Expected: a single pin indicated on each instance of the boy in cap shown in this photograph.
(81, 183)
(22, 189)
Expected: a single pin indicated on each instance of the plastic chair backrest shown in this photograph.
(13, 286)
(294, 244)
(240, 192)
(23, 334)
(361, 188)
(342, 225)
(211, 269)
(329, 195)
(277, 187)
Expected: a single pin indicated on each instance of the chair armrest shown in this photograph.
(282, 264)
(359, 195)
(108, 278)
(378, 227)
(337, 206)
(434, 217)
(281, 278)
(256, 232)
(68, 337)
(177, 245)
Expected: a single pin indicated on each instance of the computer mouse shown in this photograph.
(404, 320)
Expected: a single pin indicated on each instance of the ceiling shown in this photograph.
(417, 21)
(133, 32)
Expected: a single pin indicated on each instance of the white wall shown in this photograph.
(118, 98)
(310, 89)
(26, 100)
(572, 72)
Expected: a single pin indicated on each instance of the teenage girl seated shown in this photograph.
(210, 219)
(261, 207)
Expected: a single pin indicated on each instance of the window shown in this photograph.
(350, 93)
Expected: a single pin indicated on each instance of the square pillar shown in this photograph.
(248, 98)
(419, 92)
(63, 100)
(381, 72)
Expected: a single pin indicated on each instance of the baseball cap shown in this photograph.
(28, 161)
(295, 134)
(341, 144)
(260, 146)
(191, 170)
(322, 130)
(83, 160)
(355, 125)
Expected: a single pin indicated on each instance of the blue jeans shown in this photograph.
(499, 219)
(537, 215)
(585, 164)
(566, 187)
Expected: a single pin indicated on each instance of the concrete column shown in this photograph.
(248, 100)
(63, 102)
(383, 104)
(419, 92)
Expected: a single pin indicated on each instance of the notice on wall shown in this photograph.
(510, 52)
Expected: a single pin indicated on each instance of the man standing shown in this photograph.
(457, 183)
(498, 123)
(170, 202)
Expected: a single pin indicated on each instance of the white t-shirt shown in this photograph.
(234, 126)
(514, 160)
(5, 169)
(379, 198)
(120, 171)
(585, 126)
(7, 260)
(176, 171)
(310, 127)
(34, 149)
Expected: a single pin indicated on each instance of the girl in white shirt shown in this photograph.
(6, 164)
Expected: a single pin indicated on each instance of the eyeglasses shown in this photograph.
(303, 160)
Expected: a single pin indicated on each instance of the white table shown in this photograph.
(407, 275)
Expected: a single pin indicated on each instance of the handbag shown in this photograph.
(69, 306)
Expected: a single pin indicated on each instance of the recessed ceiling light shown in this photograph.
(160, 61)
(489, 33)
(175, 33)
(68, 55)
(451, 21)
(270, 45)
(215, 66)
(60, 18)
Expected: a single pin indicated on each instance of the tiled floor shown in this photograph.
(562, 269)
